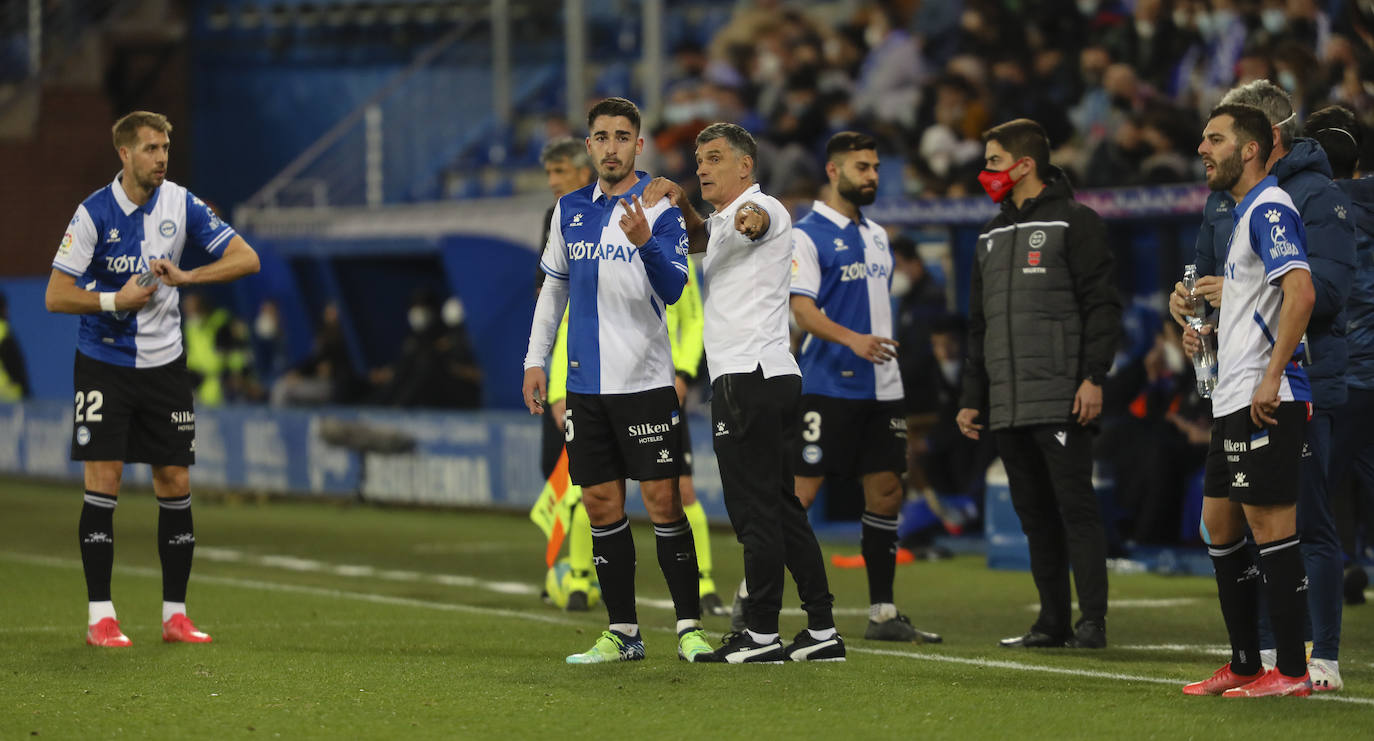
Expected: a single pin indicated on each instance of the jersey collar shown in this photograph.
(835, 217)
(122, 198)
(636, 189)
(1250, 197)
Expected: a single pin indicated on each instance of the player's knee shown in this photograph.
(171, 480)
(104, 477)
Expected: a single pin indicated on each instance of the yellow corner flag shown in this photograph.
(553, 510)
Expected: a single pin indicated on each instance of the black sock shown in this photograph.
(176, 542)
(677, 557)
(878, 543)
(96, 535)
(1285, 582)
(613, 552)
(1238, 588)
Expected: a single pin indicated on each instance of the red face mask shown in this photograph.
(999, 184)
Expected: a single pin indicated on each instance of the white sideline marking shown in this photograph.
(1181, 647)
(550, 619)
(1141, 603)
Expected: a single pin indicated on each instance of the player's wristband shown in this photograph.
(107, 301)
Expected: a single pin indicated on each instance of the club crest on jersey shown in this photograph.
(1037, 239)
(113, 236)
(167, 228)
(812, 454)
(577, 221)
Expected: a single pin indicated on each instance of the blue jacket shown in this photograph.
(1305, 175)
(1359, 310)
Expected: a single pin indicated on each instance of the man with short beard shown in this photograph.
(852, 420)
(1260, 407)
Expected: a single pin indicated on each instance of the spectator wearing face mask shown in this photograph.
(462, 387)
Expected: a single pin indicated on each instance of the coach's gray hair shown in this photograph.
(566, 148)
(1275, 103)
(736, 136)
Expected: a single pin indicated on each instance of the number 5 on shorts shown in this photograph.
(567, 426)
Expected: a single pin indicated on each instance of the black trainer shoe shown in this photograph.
(740, 648)
(711, 605)
(1033, 639)
(899, 629)
(806, 647)
(1089, 634)
(577, 601)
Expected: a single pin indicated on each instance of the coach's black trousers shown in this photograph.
(1050, 470)
(754, 428)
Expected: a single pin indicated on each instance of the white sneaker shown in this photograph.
(1326, 675)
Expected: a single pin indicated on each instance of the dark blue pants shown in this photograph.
(1321, 545)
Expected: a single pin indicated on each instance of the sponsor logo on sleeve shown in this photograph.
(65, 248)
(1282, 247)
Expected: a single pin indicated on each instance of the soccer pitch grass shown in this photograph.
(346, 621)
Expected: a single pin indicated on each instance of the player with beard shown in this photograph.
(1261, 406)
(852, 419)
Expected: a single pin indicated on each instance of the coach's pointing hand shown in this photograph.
(634, 224)
(132, 296)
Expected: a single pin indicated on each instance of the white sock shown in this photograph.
(685, 626)
(1269, 657)
(172, 608)
(882, 612)
(629, 629)
(97, 611)
(823, 635)
(762, 638)
(743, 590)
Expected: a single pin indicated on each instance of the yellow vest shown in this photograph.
(203, 358)
(9, 388)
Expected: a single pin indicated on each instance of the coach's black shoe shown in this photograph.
(741, 648)
(737, 621)
(1033, 639)
(577, 601)
(806, 647)
(1355, 581)
(1089, 634)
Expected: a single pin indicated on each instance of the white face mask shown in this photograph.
(453, 313)
(265, 326)
(901, 284)
(419, 318)
(1274, 20)
(1173, 358)
(1087, 8)
(1288, 81)
(949, 369)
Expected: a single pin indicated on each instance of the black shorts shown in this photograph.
(850, 437)
(1254, 465)
(135, 415)
(612, 437)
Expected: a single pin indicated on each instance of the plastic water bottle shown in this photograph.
(1205, 359)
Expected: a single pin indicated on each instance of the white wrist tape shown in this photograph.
(107, 301)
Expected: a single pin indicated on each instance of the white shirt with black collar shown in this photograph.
(748, 285)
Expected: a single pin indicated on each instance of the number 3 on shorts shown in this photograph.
(88, 406)
(812, 420)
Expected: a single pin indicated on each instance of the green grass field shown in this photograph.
(351, 621)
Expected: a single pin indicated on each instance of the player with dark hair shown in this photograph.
(616, 265)
(1261, 407)
(117, 267)
(852, 419)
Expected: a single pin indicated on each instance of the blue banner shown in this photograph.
(467, 459)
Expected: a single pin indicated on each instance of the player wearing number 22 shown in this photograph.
(117, 267)
(616, 264)
(852, 423)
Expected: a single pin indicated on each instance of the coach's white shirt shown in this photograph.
(748, 287)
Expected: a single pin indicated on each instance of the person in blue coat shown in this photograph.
(1303, 172)
(1338, 132)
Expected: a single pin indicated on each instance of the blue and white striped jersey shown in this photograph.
(847, 269)
(1268, 241)
(618, 293)
(110, 239)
